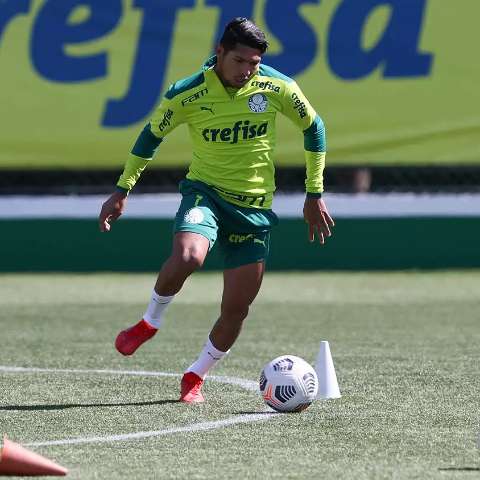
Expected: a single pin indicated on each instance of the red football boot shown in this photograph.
(130, 339)
(190, 388)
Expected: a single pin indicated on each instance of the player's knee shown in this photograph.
(191, 258)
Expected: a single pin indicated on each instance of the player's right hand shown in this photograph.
(111, 210)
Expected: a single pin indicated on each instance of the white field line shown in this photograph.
(194, 427)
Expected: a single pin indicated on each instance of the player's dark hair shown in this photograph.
(244, 31)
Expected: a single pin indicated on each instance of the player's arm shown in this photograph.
(166, 117)
(298, 109)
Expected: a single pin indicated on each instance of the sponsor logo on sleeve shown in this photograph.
(299, 105)
(166, 120)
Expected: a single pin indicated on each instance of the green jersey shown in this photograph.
(233, 133)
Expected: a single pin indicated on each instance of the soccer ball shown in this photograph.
(288, 384)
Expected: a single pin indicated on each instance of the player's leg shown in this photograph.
(195, 233)
(245, 255)
(188, 254)
(241, 286)
(244, 238)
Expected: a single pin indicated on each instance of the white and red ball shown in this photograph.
(288, 384)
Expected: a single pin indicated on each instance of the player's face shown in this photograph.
(237, 66)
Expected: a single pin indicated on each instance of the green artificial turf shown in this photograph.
(405, 347)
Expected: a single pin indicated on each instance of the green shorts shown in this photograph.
(243, 233)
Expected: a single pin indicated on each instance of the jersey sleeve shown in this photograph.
(167, 116)
(298, 109)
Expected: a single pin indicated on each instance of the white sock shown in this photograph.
(208, 358)
(154, 314)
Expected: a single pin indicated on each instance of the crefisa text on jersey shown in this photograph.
(299, 105)
(266, 86)
(166, 120)
(240, 130)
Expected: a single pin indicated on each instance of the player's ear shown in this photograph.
(220, 51)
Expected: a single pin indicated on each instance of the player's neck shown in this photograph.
(222, 79)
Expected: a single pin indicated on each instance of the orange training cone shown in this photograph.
(17, 460)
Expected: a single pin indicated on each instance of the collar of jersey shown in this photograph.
(209, 62)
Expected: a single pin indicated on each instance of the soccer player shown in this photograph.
(230, 107)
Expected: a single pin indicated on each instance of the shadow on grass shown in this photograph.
(84, 405)
(460, 469)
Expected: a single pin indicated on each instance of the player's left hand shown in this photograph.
(316, 215)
